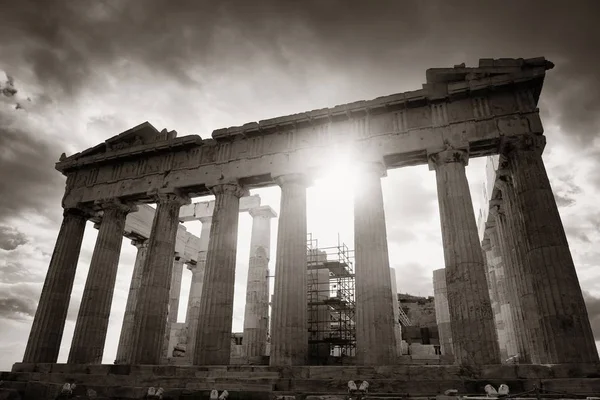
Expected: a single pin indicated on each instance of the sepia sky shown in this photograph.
(74, 73)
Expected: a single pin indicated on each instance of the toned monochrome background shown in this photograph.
(74, 73)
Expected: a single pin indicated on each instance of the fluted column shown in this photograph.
(375, 339)
(514, 283)
(256, 313)
(174, 293)
(289, 325)
(490, 263)
(89, 337)
(151, 310)
(442, 312)
(175, 289)
(502, 291)
(471, 318)
(565, 335)
(125, 344)
(213, 342)
(193, 308)
(396, 305)
(49, 321)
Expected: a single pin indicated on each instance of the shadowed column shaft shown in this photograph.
(213, 342)
(471, 318)
(256, 313)
(565, 334)
(375, 338)
(490, 273)
(89, 337)
(125, 344)
(193, 310)
(289, 325)
(49, 322)
(503, 293)
(442, 313)
(175, 290)
(151, 310)
(511, 268)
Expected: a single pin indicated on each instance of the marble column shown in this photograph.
(442, 312)
(193, 308)
(503, 293)
(396, 304)
(514, 284)
(256, 314)
(49, 321)
(89, 337)
(125, 344)
(565, 335)
(289, 318)
(375, 338)
(490, 263)
(213, 341)
(151, 310)
(174, 294)
(471, 318)
(175, 289)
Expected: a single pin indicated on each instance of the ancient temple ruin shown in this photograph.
(458, 114)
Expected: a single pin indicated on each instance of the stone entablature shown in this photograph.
(463, 107)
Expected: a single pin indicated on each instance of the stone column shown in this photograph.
(125, 344)
(193, 310)
(514, 283)
(471, 318)
(565, 334)
(256, 314)
(503, 293)
(175, 289)
(442, 312)
(152, 306)
(289, 318)
(490, 263)
(174, 293)
(213, 342)
(396, 303)
(49, 322)
(89, 337)
(375, 339)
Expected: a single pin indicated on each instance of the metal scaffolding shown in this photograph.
(331, 305)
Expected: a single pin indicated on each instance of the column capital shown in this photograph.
(525, 142)
(448, 155)
(114, 204)
(76, 212)
(299, 179)
(486, 244)
(205, 220)
(229, 188)
(140, 243)
(262, 211)
(172, 196)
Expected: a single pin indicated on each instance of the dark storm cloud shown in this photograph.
(11, 238)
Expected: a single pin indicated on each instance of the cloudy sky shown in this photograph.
(74, 73)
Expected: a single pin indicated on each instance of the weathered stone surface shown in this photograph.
(125, 345)
(289, 331)
(442, 312)
(256, 314)
(151, 310)
(565, 334)
(375, 338)
(89, 337)
(216, 306)
(49, 321)
(472, 322)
